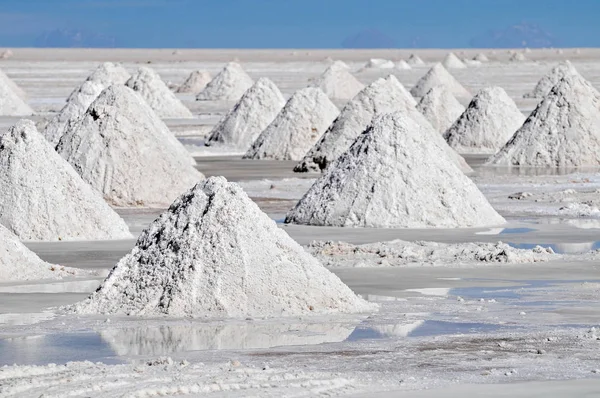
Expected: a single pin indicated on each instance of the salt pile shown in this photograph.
(382, 96)
(148, 84)
(517, 57)
(562, 131)
(18, 263)
(402, 65)
(229, 85)
(439, 76)
(338, 83)
(5, 80)
(7, 54)
(550, 80)
(415, 60)
(489, 121)
(394, 176)
(43, 198)
(440, 108)
(214, 253)
(123, 149)
(379, 63)
(195, 82)
(249, 117)
(451, 61)
(11, 103)
(82, 97)
(298, 126)
(481, 57)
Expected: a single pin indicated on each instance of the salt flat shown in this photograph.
(468, 325)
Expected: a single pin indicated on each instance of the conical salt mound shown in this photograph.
(43, 198)
(440, 108)
(517, 57)
(214, 253)
(229, 85)
(195, 82)
(489, 121)
(394, 176)
(551, 79)
(11, 104)
(301, 122)
(150, 86)
(481, 57)
(82, 97)
(123, 149)
(382, 96)
(439, 76)
(453, 62)
(338, 83)
(415, 60)
(257, 108)
(402, 65)
(4, 79)
(562, 131)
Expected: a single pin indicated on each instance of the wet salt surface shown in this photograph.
(561, 248)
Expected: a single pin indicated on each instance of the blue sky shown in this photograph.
(294, 24)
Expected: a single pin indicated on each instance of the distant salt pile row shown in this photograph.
(301, 122)
(440, 108)
(43, 198)
(214, 253)
(195, 82)
(82, 97)
(253, 113)
(337, 82)
(12, 98)
(229, 85)
(489, 121)
(439, 76)
(395, 175)
(451, 61)
(122, 148)
(148, 84)
(379, 63)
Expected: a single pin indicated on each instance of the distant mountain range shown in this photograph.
(65, 38)
(516, 36)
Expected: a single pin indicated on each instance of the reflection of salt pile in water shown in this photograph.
(301, 122)
(440, 108)
(195, 82)
(18, 263)
(229, 85)
(148, 84)
(166, 340)
(249, 117)
(213, 253)
(439, 76)
(337, 82)
(123, 149)
(12, 98)
(562, 131)
(395, 175)
(451, 61)
(382, 96)
(43, 198)
(82, 97)
(489, 121)
(550, 80)
(398, 330)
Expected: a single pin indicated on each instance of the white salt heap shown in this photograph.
(337, 82)
(562, 131)
(489, 121)
(82, 97)
(229, 85)
(517, 57)
(249, 117)
(43, 198)
(18, 263)
(394, 176)
(402, 65)
(440, 108)
(123, 149)
(298, 126)
(11, 101)
(382, 96)
(148, 84)
(379, 63)
(439, 76)
(481, 57)
(5, 80)
(214, 253)
(196, 82)
(451, 61)
(415, 60)
(550, 80)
